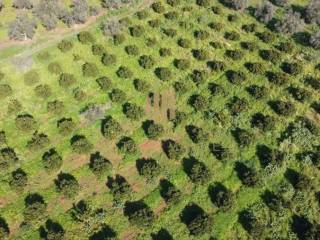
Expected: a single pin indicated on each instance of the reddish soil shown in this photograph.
(150, 146)
(162, 206)
(75, 162)
(129, 235)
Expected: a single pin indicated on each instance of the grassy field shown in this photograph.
(191, 18)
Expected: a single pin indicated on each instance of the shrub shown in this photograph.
(90, 70)
(65, 126)
(154, 23)
(35, 208)
(234, 54)
(110, 128)
(165, 52)
(66, 80)
(108, 59)
(201, 34)
(25, 122)
(278, 78)
(292, 68)
(153, 130)
(169, 192)
(263, 122)
(55, 68)
(173, 150)
(197, 134)
(182, 64)
(124, 72)
(149, 168)
(85, 37)
(139, 214)
(141, 85)
(18, 180)
(132, 50)
(43, 91)
(199, 76)
(243, 137)
(247, 175)
(136, 31)
(51, 160)
(283, 108)
(233, 36)
(119, 38)
(256, 91)
(255, 67)
(217, 66)
(270, 55)
(7, 157)
(236, 77)
(31, 77)
(80, 144)
(250, 46)
(170, 32)
(201, 54)
(38, 141)
(133, 111)
(266, 37)
(184, 43)
(249, 28)
(5, 91)
(163, 73)
(104, 83)
(158, 7)
(220, 196)
(237, 105)
(65, 46)
(147, 61)
(67, 185)
(117, 95)
(198, 102)
(97, 49)
(99, 165)
(197, 221)
(127, 145)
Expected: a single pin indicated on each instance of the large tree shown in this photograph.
(49, 12)
(22, 28)
(315, 40)
(22, 4)
(265, 12)
(80, 11)
(312, 12)
(290, 23)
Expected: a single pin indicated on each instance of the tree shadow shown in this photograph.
(301, 226)
(33, 198)
(105, 232)
(52, 227)
(302, 38)
(162, 234)
(190, 212)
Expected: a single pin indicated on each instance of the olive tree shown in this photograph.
(49, 12)
(265, 12)
(312, 12)
(22, 4)
(22, 28)
(315, 40)
(290, 23)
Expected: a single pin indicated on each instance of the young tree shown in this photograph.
(22, 28)
(265, 12)
(22, 4)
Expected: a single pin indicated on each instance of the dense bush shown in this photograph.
(199, 102)
(147, 61)
(236, 77)
(5, 91)
(25, 122)
(35, 208)
(14, 106)
(136, 30)
(243, 137)
(127, 145)
(170, 193)
(80, 144)
(55, 68)
(204, 3)
(143, 14)
(98, 49)
(233, 36)
(173, 15)
(255, 67)
(158, 7)
(38, 141)
(173, 3)
(65, 45)
(117, 95)
(268, 156)
(182, 64)
(110, 128)
(18, 180)
(201, 34)
(197, 134)
(51, 160)
(124, 72)
(283, 108)
(153, 130)
(312, 12)
(280, 3)
(278, 78)
(108, 59)
(149, 168)
(270, 55)
(163, 73)
(299, 94)
(139, 214)
(90, 70)
(133, 111)
(172, 149)
(237, 105)
(86, 37)
(66, 80)
(99, 165)
(43, 91)
(67, 185)
(298, 180)
(292, 68)
(234, 54)
(313, 82)
(132, 50)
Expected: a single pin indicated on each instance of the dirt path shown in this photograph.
(59, 34)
